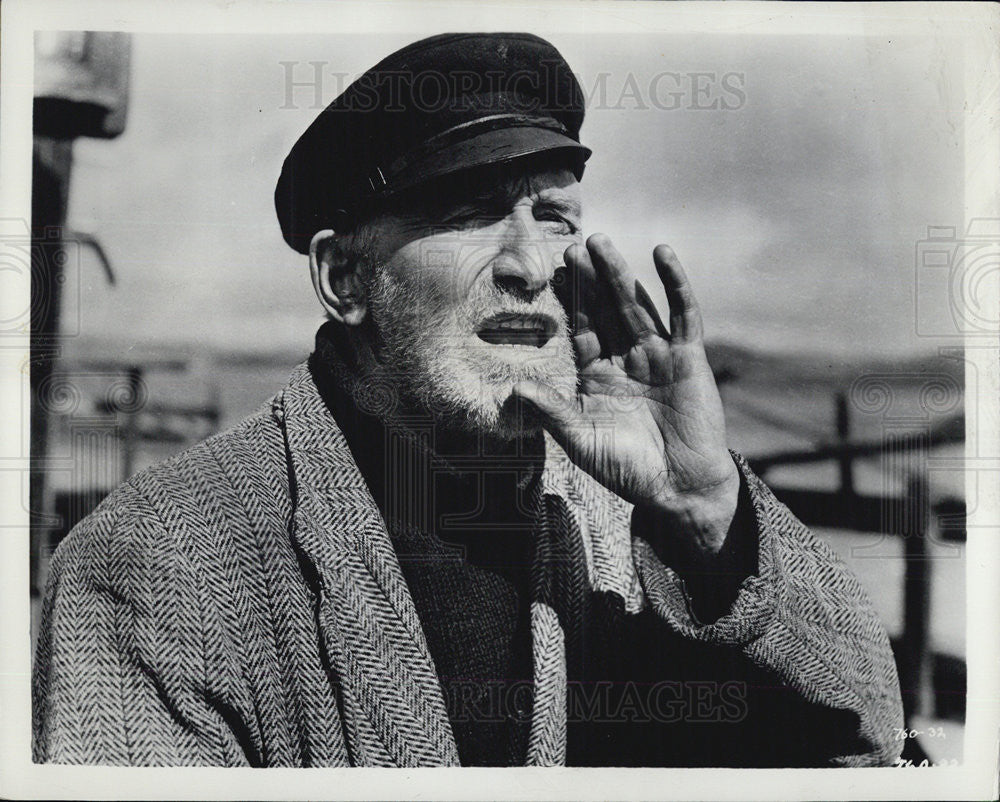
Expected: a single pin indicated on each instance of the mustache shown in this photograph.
(394, 305)
(492, 302)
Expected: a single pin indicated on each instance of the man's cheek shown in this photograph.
(419, 296)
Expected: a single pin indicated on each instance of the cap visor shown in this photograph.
(491, 147)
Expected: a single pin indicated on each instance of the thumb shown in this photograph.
(558, 412)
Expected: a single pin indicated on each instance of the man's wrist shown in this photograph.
(700, 522)
(687, 540)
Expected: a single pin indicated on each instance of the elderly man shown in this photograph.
(492, 521)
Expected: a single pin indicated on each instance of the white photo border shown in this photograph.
(976, 24)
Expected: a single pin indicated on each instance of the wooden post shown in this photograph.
(916, 597)
(846, 459)
(129, 434)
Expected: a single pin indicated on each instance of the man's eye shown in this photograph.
(556, 222)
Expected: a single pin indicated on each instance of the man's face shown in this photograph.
(462, 300)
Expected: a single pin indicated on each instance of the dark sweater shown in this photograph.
(636, 694)
(462, 538)
(463, 544)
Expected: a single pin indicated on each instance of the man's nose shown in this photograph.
(526, 261)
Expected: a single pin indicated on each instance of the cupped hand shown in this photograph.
(647, 421)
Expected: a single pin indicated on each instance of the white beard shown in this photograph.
(432, 357)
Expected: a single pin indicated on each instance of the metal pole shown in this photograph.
(51, 165)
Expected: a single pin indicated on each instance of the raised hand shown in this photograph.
(647, 421)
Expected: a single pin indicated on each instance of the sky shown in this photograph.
(794, 176)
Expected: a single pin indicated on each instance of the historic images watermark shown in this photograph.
(924, 416)
(41, 268)
(312, 85)
(960, 274)
(604, 702)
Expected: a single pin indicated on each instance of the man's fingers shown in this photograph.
(574, 286)
(587, 346)
(685, 316)
(647, 303)
(568, 285)
(594, 314)
(613, 269)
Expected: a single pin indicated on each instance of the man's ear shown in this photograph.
(335, 278)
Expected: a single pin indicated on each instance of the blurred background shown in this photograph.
(812, 186)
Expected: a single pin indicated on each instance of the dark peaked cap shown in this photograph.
(439, 105)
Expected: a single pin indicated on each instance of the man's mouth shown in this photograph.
(513, 329)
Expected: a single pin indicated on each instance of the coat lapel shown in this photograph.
(391, 699)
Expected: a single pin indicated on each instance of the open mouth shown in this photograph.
(512, 329)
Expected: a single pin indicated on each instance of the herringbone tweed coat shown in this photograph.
(241, 604)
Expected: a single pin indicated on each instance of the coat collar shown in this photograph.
(394, 710)
(392, 701)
